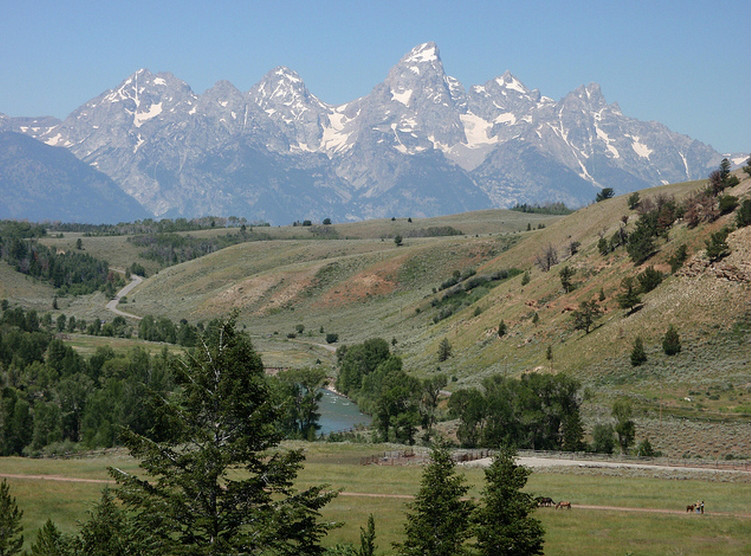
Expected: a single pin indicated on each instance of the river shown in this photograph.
(339, 414)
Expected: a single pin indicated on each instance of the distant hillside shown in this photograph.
(39, 182)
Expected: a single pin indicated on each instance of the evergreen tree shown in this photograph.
(671, 342)
(106, 531)
(444, 350)
(222, 418)
(717, 247)
(367, 538)
(638, 355)
(11, 539)
(566, 273)
(502, 328)
(503, 522)
(585, 316)
(51, 542)
(438, 519)
(629, 296)
(605, 193)
(649, 279)
(743, 216)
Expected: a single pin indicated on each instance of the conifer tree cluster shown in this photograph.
(441, 522)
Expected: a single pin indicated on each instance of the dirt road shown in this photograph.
(112, 304)
(399, 497)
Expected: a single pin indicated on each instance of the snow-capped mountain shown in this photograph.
(419, 144)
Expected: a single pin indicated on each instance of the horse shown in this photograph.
(690, 508)
(560, 505)
(544, 501)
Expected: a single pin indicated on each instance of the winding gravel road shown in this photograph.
(112, 304)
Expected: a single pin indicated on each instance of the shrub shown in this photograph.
(645, 450)
(633, 200)
(679, 257)
(638, 355)
(671, 342)
(332, 338)
(743, 216)
(717, 248)
(649, 279)
(727, 204)
(502, 328)
(606, 193)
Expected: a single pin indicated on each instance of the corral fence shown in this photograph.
(411, 456)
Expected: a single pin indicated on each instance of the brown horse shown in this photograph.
(544, 501)
(560, 505)
(690, 508)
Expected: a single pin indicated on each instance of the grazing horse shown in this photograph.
(690, 508)
(544, 501)
(560, 505)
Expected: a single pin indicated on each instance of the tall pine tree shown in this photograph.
(11, 539)
(438, 519)
(216, 484)
(504, 525)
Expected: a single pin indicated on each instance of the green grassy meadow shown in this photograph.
(724, 529)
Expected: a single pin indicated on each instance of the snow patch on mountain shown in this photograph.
(153, 111)
(477, 130)
(402, 97)
(425, 52)
(640, 148)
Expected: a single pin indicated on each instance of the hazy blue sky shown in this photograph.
(686, 64)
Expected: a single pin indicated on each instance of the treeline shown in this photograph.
(433, 231)
(172, 248)
(463, 289)
(536, 411)
(70, 272)
(162, 329)
(399, 403)
(547, 208)
(149, 226)
(51, 398)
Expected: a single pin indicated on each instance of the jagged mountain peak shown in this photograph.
(423, 60)
(283, 88)
(424, 52)
(591, 95)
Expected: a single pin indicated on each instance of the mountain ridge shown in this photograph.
(387, 153)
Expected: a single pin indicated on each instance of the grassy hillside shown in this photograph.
(351, 279)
